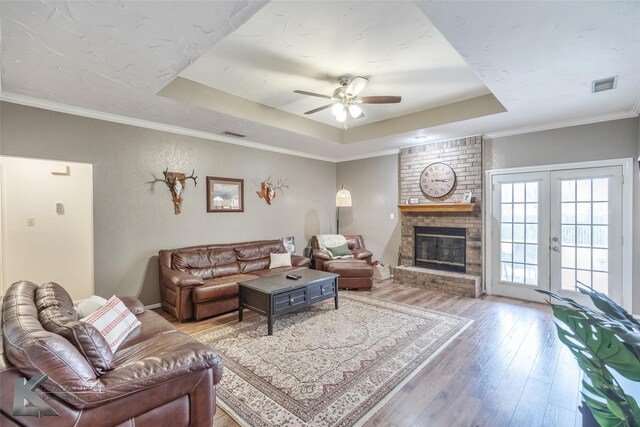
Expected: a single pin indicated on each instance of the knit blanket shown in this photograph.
(331, 241)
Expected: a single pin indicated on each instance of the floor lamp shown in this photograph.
(343, 199)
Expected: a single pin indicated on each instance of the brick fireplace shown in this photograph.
(465, 157)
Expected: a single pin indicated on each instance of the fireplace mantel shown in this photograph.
(437, 207)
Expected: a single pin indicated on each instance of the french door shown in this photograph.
(554, 229)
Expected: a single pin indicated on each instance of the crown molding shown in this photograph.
(559, 125)
(115, 118)
(369, 155)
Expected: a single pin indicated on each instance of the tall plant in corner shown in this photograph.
(606, 344)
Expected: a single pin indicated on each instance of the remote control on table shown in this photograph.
(293, 276)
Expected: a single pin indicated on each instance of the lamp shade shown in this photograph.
(343, 198)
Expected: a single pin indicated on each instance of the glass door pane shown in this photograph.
(519, 232)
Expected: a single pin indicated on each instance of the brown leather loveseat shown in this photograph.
(158, 376)
(202, 281)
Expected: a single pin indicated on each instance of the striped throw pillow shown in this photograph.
(114, 321)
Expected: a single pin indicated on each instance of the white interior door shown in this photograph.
(552, 229)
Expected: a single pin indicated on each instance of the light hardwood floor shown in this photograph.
(507, 369)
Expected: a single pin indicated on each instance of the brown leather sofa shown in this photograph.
(160, 376)
(202, 281)
(356, 272)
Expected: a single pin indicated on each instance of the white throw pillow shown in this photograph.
(89, 305)
(280, 260)
(114, 321)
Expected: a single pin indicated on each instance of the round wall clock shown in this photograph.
(437, 180)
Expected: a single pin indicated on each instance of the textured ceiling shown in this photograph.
(309, 45)
(110, 60)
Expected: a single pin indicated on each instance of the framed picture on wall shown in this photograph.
(466, 198)
(225, 194)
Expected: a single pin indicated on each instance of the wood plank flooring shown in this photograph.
(507, 369)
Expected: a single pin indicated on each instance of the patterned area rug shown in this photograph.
(325, 367)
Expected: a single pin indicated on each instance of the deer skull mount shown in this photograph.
(176, 182)
(268, 189)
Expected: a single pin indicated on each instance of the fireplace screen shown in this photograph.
(441, 248)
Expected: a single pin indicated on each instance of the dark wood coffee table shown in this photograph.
(276, 295)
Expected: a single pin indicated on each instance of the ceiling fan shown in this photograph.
(345, 99)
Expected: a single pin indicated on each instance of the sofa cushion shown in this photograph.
(206, 263)
(53, 295)
(256, 255)
(349, 268)
(114, 321)
(86, 338)
(221, 287)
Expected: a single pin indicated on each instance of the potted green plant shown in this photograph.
(606, 343)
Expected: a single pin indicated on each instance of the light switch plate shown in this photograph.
(31, 222)
(60, 208)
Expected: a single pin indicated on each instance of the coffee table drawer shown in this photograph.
(323, 290)
(289, 300)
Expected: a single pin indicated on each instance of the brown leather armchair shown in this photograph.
(356, 272)
(159, 375)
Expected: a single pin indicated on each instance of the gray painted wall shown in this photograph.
(132, 222)
(598, 141)
(374, 188)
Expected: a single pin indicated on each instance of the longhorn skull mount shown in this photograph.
(176, 182)
(268, 189)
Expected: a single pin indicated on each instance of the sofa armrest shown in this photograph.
(183, 357)
(133, 304)
(175, 279)
(300, 261)
(362, 254)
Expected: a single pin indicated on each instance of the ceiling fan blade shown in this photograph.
(356, 86)
(319, 95)
(315, 110)
(381, 99)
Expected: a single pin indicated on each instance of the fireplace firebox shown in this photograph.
(440, 248)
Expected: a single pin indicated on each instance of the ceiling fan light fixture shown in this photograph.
(355, 111)
(341, 116)
(336, 109)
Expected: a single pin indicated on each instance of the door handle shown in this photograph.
(555, 248)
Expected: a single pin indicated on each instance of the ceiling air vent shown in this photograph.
(237, 135)
(604, 84)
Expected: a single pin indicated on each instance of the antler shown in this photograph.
(194, 178)
(280, 184)
(160, 179)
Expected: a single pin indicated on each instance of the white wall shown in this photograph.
(59, 246)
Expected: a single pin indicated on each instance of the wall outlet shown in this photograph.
(31, 222)
(60, 208)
